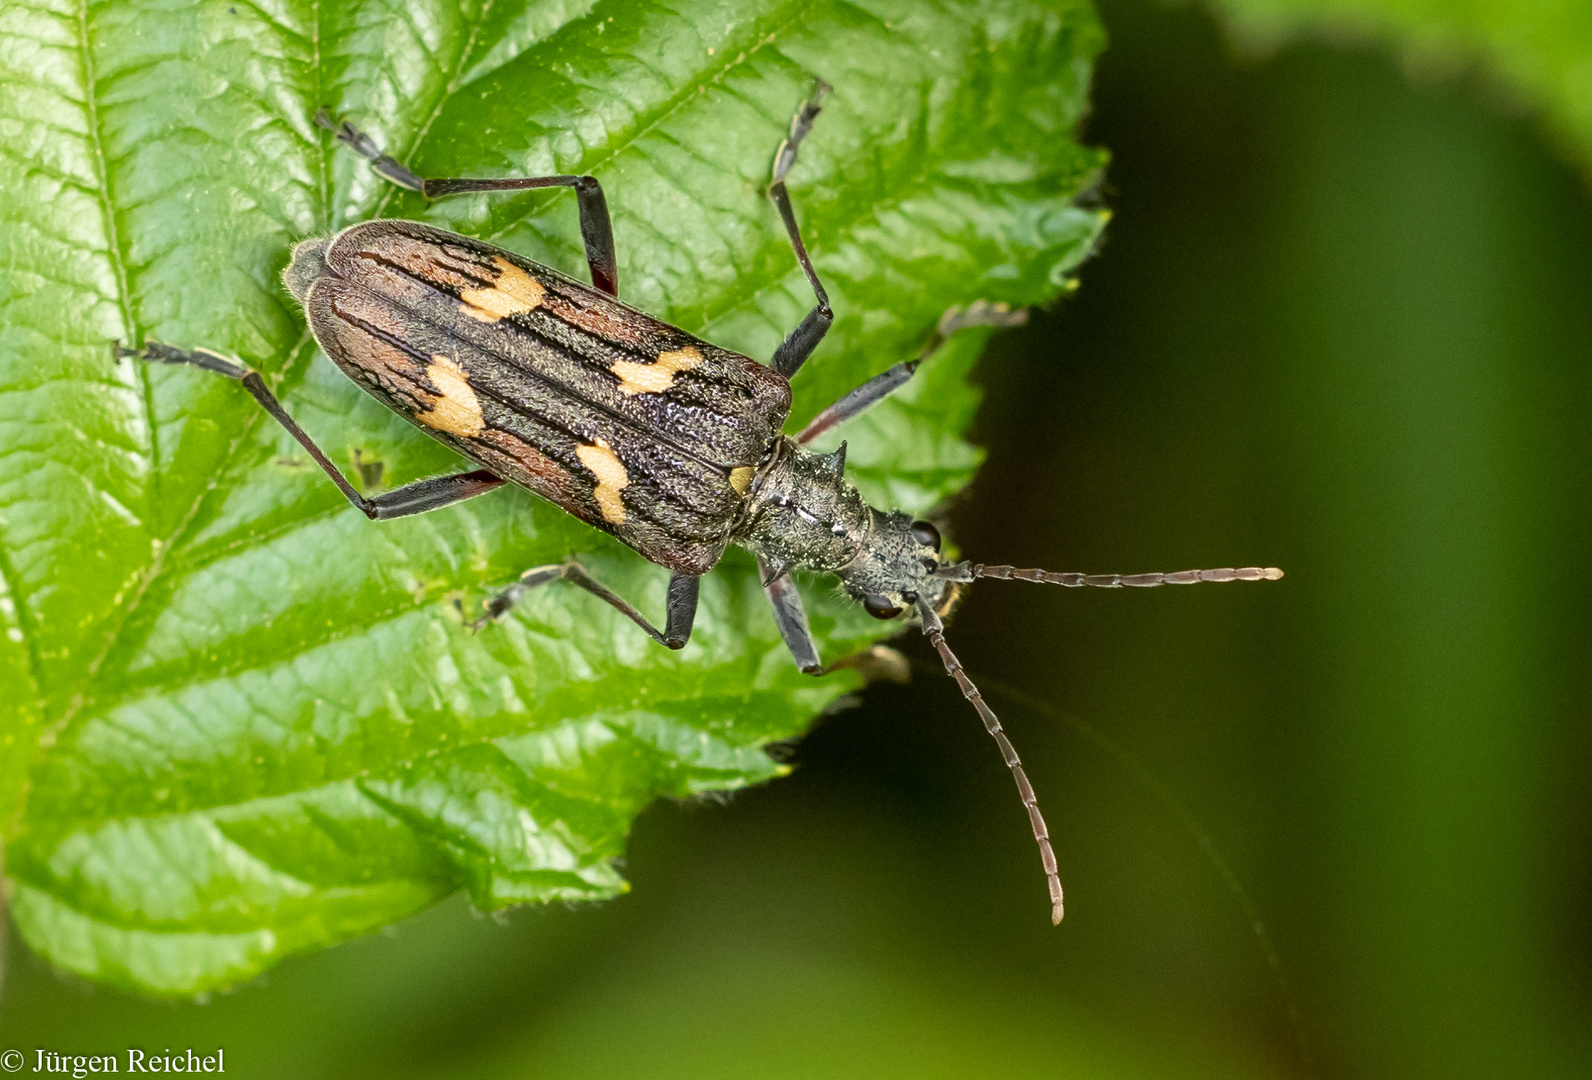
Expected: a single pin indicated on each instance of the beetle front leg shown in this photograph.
(596, 229)
(682, 605)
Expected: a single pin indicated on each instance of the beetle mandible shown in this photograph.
(669, 443)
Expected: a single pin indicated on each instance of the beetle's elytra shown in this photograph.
(668, 442)
(630, 424)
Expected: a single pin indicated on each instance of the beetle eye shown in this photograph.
(926, 534)
(879, 607)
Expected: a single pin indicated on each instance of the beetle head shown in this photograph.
(899, 568)
(307, 264)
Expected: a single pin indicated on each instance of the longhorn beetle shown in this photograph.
(667, 442)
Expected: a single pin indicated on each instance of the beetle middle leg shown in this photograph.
(881, 386)
(791, 618)
(433, 493)
(795, 349)
(682, 604)
(596, 230)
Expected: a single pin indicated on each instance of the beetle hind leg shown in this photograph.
(596, 229)
(432, 493)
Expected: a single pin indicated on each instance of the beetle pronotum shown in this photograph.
(671, 444)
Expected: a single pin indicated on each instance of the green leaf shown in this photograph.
(241, 721)
(1541, 52)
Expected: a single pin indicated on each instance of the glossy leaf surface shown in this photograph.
(241, 720)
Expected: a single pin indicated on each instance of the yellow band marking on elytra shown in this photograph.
(514, 292)
(741, 479)
(611, 479)
(658, 376)
(458, 410)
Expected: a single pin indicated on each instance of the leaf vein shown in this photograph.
(662, 113)
(113, 235)
(448, 90)
(24, 617)
(159, 565)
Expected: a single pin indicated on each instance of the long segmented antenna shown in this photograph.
(935, 630)
(953, 667)
(1123, 581)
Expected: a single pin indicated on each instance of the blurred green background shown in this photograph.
(1341, 324)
